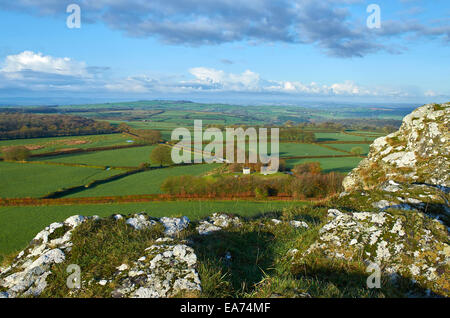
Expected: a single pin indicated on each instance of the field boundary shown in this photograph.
(320, 157)
(78, 165)
(144, 198)
(81, 150)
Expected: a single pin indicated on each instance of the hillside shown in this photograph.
(393, 215)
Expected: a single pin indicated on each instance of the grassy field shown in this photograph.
(343, 165)
(348, 147)
(339, 136)
(36, 180)
(127, 157)
(42, 145)
(18, 225)
(296, 150)
(148, 182)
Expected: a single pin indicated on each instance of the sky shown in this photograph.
(225, 50)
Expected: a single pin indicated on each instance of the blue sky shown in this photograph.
(222, 49)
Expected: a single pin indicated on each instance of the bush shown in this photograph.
(161, 155)
(16, 153)
(310, 167)
(356, 151)
(306, 185)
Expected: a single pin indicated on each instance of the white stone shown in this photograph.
(140, 222)
(122, 267)
(174, 225)
(298, 224)
(74, 220)
(206, 228)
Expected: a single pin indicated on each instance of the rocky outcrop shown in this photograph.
(217, 222)
(408, 169)
(412, 246)
(405, 182)
(418, 152)
(166, 269)
(27, 275)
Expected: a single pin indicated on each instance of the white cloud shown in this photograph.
(37, 62)
(38, 72)
(431, 93)
(218, 79)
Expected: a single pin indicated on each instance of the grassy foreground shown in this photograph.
(18, 225)
(261, 263)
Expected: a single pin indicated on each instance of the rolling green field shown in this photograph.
(339, 136)
(296, 150)
(18, 225)
(348, 147)
(343, 165)
(127, 157)
(148, 182)
(35, 180)
(42, 145)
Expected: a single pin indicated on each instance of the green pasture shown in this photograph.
(18, 225)
(339, 136)
(59, 143)
(148, 182)
(21, 180)
(348, 147)
(126, 157)
(343, 165)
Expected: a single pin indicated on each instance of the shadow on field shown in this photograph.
(336, 279)
(242, 257)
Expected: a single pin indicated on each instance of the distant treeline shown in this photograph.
(297, 135)
(26, 125)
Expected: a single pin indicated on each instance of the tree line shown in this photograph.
(21, 125)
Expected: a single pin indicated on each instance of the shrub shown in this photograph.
(357, 151)
(16, 153)
(310, 167)
(161, 155)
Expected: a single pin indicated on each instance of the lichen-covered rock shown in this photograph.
(166, 269)
(140, 222)
(28, 273)
(418, 152)
(413, 246)
(174, 225)
(217, 222)
(298, 224)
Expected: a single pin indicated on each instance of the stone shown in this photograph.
(140, 222)
(382, 238)
(206, 228)
(74, 220)
(298, 224)
(217, 222)
(422, 145)
(382, 204)
(174, 225)
(122, 267)
(168, 269)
